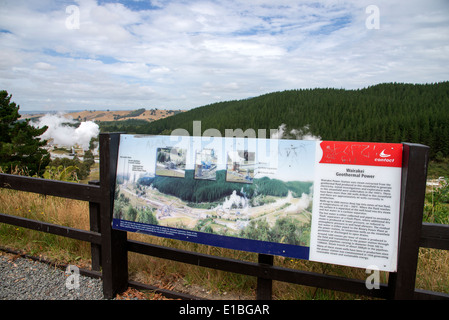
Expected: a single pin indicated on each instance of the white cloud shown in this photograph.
(43, 66)
(186, 54)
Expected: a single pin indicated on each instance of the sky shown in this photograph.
(181, 54)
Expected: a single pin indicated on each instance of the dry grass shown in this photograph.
(433, 268)
(54, 210)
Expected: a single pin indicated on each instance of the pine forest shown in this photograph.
(389, 112)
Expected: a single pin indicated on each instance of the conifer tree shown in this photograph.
(20, 145)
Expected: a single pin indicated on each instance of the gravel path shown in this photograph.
(25, 279)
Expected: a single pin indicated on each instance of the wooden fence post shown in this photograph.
(264, 285)
(114, 254)
(94, 220)
(414, 174)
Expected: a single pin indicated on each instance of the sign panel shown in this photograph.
(356, 204)
(334, 202)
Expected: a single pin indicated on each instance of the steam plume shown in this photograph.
(63, 134)
(303, 133)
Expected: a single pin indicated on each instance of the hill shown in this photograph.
(389, 112)
(117, 115)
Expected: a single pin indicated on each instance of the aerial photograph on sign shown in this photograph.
(233, 193)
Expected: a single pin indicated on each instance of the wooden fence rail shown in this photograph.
(110, 247)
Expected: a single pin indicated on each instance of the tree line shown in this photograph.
(197, 191)
(388, 112)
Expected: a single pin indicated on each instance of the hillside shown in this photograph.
(390, 112)
(193, 190)
(117, 115)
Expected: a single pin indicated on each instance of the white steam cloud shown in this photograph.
(235, 200)
(298, 134)
(301, 205)
(65, 135)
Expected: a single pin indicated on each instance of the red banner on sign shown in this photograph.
(362, 153)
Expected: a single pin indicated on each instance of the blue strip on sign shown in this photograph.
(258, 246)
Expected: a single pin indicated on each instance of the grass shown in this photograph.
(433, 269)
(432, 272)
(438, 167)
(55, 210)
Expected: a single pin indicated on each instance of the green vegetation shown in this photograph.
(390, 112)
(20, 146)
(134, 113)
(79, 170)
(121, 126)
(61, 173)
(436, 208)
(285, 230)
(123, 209)
(439, 167)
(197, 191)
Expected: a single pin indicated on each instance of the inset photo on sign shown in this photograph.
(171, 162)
(206, 164)
(240, 166)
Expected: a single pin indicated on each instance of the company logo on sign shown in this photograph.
(384, 155)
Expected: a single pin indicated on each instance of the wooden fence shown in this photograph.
(110, 247)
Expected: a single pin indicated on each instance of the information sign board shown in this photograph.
(334, 202)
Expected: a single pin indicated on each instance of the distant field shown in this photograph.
(114, 115)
